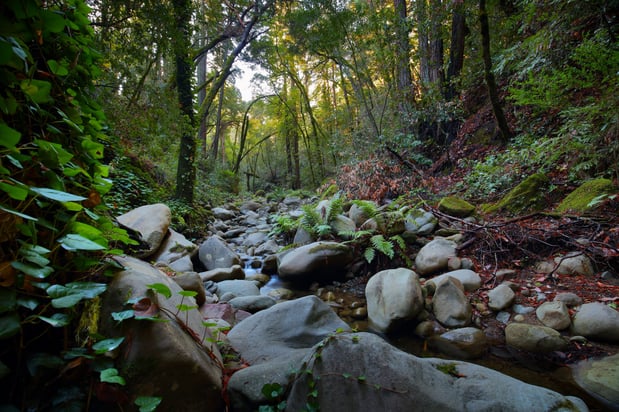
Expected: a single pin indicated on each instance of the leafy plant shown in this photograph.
(318, 220)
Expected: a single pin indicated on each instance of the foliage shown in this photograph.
(318, 220)
(56, 229)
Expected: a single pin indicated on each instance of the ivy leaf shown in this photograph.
(57, 320)
(147, 403)
(124, 315)
(107, 345)
(72, 293)
(9, 137)
(35, 271)
(9, 325)
(161, 289)
(57, 194)
(57, 68)
(17, 192)
(188, 293)
(73, 242)
(110, 375)
(38, 90)
(16, 213)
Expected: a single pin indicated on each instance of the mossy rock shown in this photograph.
(527, 196)
(578, 201)
(454, 206)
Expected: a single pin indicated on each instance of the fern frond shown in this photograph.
(382, 245)
(399, 241)
(336, 207)
(362, 233)
(322, 230)
(310, 219)
(370, 209)
(369, 254)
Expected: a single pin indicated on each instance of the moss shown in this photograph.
(579, 199)
(527, 196)
(454, 206)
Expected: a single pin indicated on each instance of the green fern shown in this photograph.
(369, 254)
(370, 209)
(383, 245)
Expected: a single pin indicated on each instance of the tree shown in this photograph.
(186, 172)
(404, 87)
(504, 132)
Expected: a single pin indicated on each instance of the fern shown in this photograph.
(369, 254)
(310, 219)
(336, 207)
(370, 209)
(383, 245)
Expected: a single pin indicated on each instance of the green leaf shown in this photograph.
(8, 300)
(38, 90)
(188, 293)
(28, 303)
(57, 194)
(72, 293)
(185, 308)
(9, 325)
(9, 137)
(124, 315)
(107, 345)
(56, 320)
(57, 68)
(110, 375)
(94, 149)
(53, 21)
(16, 213)
(161, 289)
(147, 403)
(52, 154)
(34, 254)
(74, 242)
(42, 360)
(17, 192)
(37, 272)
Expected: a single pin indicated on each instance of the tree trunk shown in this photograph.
(437, 76)
(456, 60)
(424, 46)
(504, 132)
(186, 172)
(404, 86)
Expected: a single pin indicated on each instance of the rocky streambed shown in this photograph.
(270, 318)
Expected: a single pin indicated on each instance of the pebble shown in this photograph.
(503, 317)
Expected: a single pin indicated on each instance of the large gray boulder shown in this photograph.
(215, 253)
(501, 297)
(597, 321)
(362, 372)
(151, 222)
(316, 260)
(600, 378)
(554, 315)
(274, 342)
(393, 296)
(434, 256)
(450, 305)
(161, 358)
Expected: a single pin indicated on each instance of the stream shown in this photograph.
(527, 368)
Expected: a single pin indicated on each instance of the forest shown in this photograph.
(107, 105)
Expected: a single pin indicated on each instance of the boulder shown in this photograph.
(316, 260)
(420, 222)
(175, 252)
(554, 315)
(527, 196)
(454, 206)
(534, 338)
(343, 224)
(463, 343)
(237, 288)
(600, 378)
(358, 215)
(501, 297)
(221, 274)
(215, 253)
(255, 239)
(191, 281)
(302, 237)
(469, 279)
(574, 263)
(451, 307)
(362, 372)
(434, 256)
(597, 321)
(274, 343)
(161, 358)
(393, 297)
(151, 222)
(580, 200)
(223, 213)
(252, 304)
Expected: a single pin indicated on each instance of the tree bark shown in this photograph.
(186, 172)
(405, 92)
(504, 132)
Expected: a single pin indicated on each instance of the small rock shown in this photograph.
(470, 280)
(463, 343)
(503, 317)
(569, 298)
(252, 304)
(429, 328)
(434, 256)
(501, 297)
(450, 305)
(574, 263)
(281, 294)
(521, 309)
(554, 315)
(359, 313)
